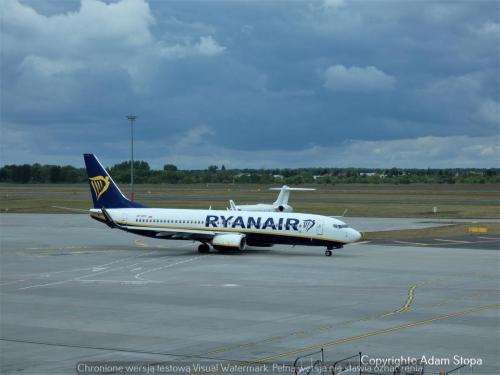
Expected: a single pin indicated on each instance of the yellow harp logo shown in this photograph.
(100, 184)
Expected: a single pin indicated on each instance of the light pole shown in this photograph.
(131, 118)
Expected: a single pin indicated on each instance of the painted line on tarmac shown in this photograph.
(325, 327)
(12, 282)
(406, 307)
(140, 243)
(359, 243)
(60, 248)
(487, 240)
(364, 335)
(452, 241)
(122, 282)
(138, 276)
(375, 333)
(411, 243)
(459, 243)
(93, 274)
(408, 302)
(219, 285)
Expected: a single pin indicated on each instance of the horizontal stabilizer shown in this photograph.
(292, 188)
(109, 220)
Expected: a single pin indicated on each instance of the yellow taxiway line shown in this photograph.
(374, 333)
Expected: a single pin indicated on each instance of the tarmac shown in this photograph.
(74, 291)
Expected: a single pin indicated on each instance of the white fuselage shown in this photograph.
(262, 207)
(260, 227)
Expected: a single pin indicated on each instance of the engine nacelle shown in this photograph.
(283, 208)
(229, 241)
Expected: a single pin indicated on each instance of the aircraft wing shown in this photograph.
(343, 214)
(71, 209)
(188, 234)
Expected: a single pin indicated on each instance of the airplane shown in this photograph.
(280, 205)
(216, 228)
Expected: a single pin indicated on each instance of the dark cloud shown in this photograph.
(254, 83)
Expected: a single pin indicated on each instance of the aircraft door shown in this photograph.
(319, 227)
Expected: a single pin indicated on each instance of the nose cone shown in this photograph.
(354, 235)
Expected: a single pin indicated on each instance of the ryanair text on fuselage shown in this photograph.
(216, 221)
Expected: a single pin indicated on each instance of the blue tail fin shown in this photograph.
(104, 191)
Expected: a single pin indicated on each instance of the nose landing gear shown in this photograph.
(329, 248)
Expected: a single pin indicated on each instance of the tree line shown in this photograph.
(170, 174)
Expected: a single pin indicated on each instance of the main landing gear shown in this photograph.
(203, 248)
(328, 253)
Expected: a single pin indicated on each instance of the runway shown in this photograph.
(73, 290)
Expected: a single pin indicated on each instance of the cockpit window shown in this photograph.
(340, 226)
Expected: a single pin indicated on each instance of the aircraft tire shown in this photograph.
(203, 248)
(328, 253)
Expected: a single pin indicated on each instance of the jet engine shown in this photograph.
(229, 241)
(283, 208)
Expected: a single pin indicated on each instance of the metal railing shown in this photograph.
(346, 365)
(304, 366)
(457, 370)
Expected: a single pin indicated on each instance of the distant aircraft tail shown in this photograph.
(105, 193)
(232, 205)
(282, 196)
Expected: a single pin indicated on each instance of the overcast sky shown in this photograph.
(252, 83)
